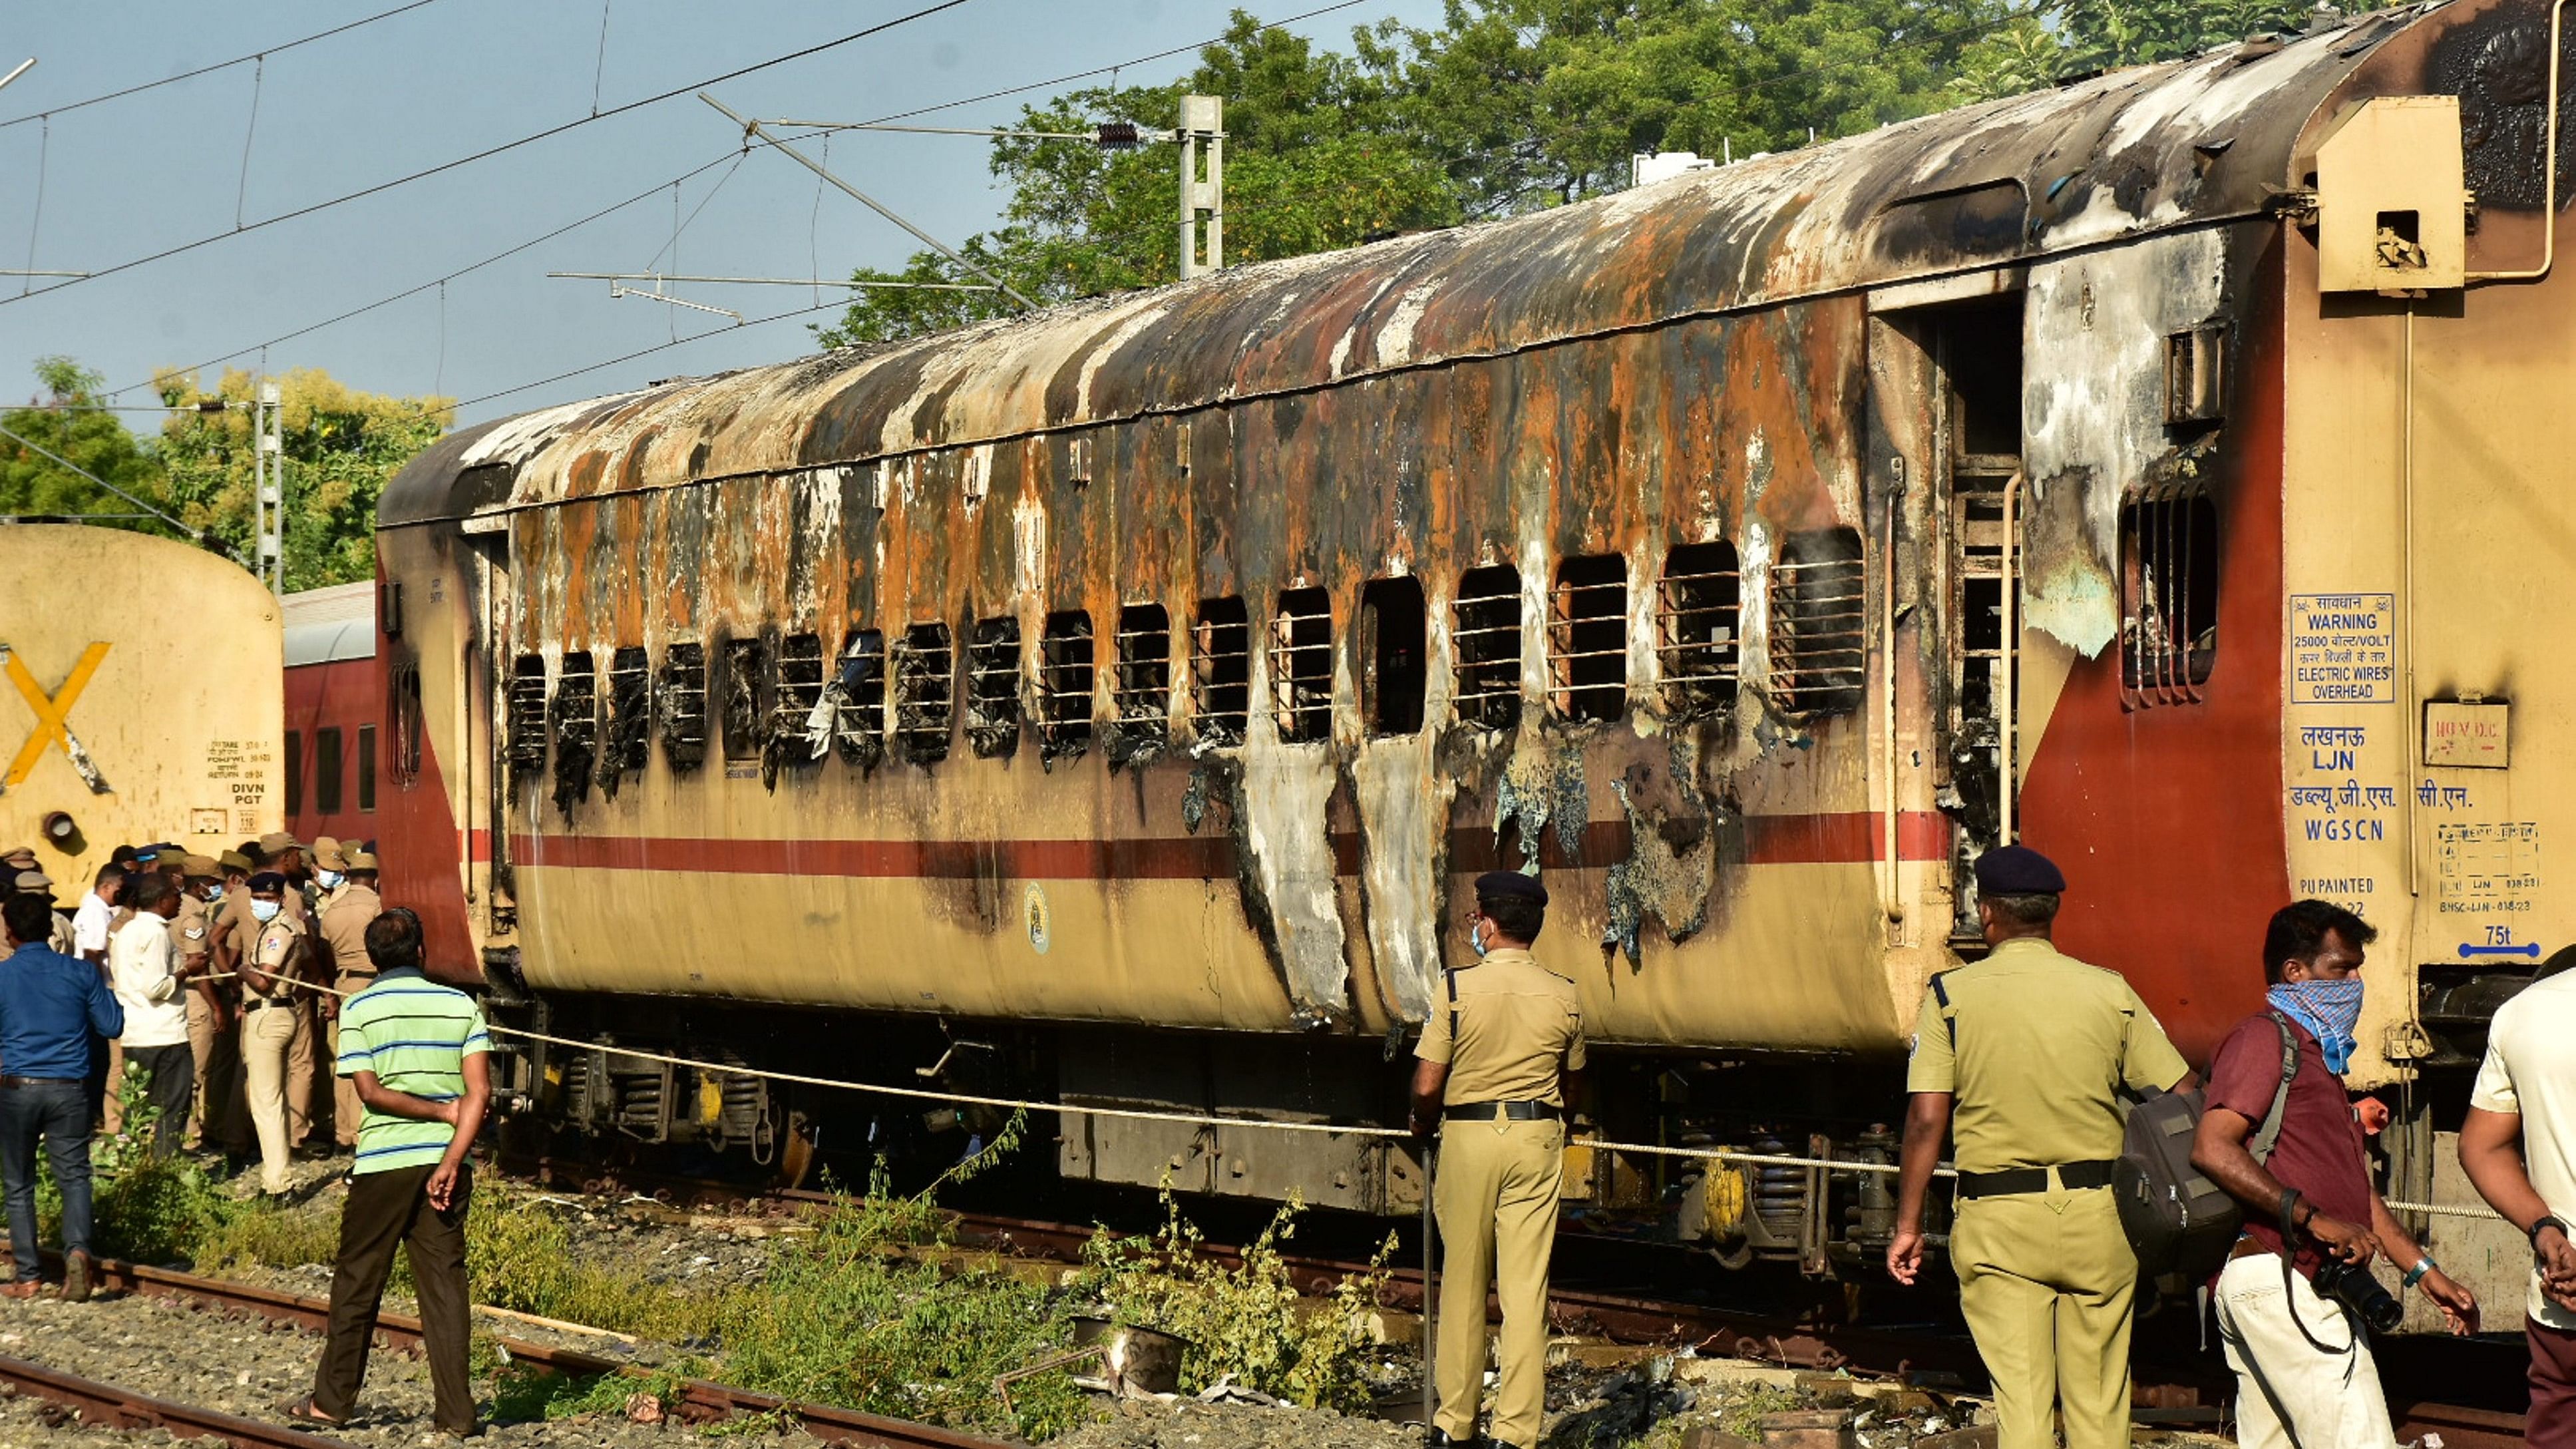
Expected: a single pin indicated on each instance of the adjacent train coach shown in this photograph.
(335, 707)
(1113, 702)
(123, 722)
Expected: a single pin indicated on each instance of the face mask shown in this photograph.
(1476, 937)
(265, 911)
(2328, 1009)
(331, 879)
(215, 892)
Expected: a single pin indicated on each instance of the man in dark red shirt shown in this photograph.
(2302, 1361)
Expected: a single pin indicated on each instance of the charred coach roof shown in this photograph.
(2148, 149)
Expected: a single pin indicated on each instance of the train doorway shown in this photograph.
(1975, 351)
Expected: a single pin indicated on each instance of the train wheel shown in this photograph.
(796, 1154)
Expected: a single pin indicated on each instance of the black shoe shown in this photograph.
(1439, 1439)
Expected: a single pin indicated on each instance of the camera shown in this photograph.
(2361, 1295)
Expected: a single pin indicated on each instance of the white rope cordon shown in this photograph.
(1192, 1119)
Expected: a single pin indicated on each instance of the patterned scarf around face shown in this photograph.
(2328, 1009)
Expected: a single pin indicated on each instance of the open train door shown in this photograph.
(1946, 385)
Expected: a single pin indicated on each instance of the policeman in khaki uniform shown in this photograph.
(352, 905)
(211, 1017)
(1502, 1051)
(269, 1015)
(282, 854)
(2033, 1048)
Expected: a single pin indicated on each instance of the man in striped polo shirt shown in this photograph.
(417, 1052)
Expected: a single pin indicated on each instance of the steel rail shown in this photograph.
(109, 1406)
(700, 1401)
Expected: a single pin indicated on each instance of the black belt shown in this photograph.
(1508, 1111)
(2070, 1175)
(40, 1081)
(256, 1002)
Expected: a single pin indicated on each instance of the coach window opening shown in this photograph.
(1391, 648)
(407, 719)
(1221, 670)
(576, 728)
(1486, 634)
(993, 687)
(1142, 690)
(326, 771)
(630, 716)
(800, 692)
(746, 686)
(859, 731)
(1698, 623)
(925, 692)
(1818, 643)
(527, 716)
(1301, 666)
(2168, 595)
(1065, 681)
(680, 700)
(1587, 651)
(366, 769)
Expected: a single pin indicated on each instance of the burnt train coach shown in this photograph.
(1132, 688)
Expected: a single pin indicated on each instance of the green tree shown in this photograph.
(341, 446)
(1317, 157)
(2078, 37)
(71, 421)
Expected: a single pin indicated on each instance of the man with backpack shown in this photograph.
(2296, 1303)
(2033, 1049)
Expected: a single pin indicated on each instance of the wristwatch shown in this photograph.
(2549, 1220)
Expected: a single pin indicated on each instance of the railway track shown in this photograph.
(700, 1401)
(2178, 1393)
(115, 1407)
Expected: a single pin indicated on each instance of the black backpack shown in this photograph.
(2180, 1223)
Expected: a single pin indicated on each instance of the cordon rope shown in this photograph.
(1194, 1119)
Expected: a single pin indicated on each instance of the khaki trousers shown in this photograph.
(2046, 1280)
(301, 1045)
(2290, 1393)
(346, 1110)
(1497, 1199)
(217, 1119)
(267, 1041)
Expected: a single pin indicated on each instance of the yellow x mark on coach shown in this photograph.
(50, 728)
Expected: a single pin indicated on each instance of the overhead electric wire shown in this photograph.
(133, 90)
(491, 151)
(649, 351)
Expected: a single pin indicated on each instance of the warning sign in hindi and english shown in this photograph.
(2343, 648)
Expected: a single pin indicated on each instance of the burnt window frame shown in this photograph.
(924, 686)
(800, 676)
(406, 717)
(1393, 666)
(1068, 682)
(994, 711)
(1818, 651)
(1221, 670)
(1586, 641)
(626, 716)
(572, 718)
(1699, 627)
(526, 704)
(742, 709)
(1140, 692)
(680, 706)
(860, 672)
(1485, 681)
(1301, 665)
(2181, 567)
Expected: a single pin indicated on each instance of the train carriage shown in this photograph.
(1132, 688)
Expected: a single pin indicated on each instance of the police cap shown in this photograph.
(235, 860)
(2018, 870)
(268, 880)
(277, 842)
(33, 880)
(20, 857)
(1502, 885)
(202, 867)
(326, 854)
(358, 860)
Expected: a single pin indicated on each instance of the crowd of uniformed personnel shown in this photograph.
(214, 962)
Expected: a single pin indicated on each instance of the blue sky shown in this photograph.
(103, 185)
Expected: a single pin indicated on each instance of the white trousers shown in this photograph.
(265, 1036)
(2290, 1393)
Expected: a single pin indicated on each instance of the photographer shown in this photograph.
(2285, 1144)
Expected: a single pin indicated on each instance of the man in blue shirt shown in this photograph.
(50, 1006)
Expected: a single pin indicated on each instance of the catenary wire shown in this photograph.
(491, 151)
(218, 65)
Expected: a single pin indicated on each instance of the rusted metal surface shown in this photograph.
(112, 1407)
